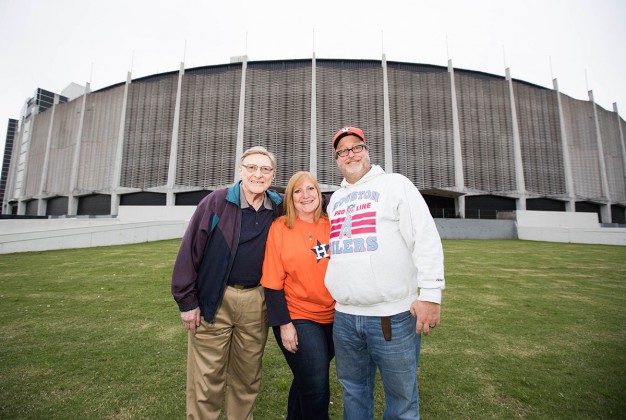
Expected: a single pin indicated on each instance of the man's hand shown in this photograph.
(191, 319)
(427, 315)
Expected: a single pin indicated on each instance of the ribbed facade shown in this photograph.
(209, 113)
(613, 157)
(99, 140)
(348, 93)
(8, 147)
(278, 114)
(62, 146)
(541, 147)
(422, 137)
(37, 153)
(469, 140)
(486, 133)
(148, 132)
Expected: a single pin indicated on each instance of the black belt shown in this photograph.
(243, 286)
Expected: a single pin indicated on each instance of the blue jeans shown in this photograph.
(309, 394)
(361, 348)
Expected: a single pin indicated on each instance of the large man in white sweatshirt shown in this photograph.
(386, 274)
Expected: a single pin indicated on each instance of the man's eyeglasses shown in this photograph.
(252, 168)
(355, 149)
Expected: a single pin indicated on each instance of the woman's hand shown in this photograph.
(289, 337)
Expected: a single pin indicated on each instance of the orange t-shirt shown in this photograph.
(296, 261)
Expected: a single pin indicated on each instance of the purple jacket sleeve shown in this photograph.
(190, 256)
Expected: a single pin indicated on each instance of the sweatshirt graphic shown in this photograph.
(358, 221)
(384, 246)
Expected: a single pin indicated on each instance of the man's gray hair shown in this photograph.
(259, 150)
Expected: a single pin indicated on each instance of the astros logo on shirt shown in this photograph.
(321, 251)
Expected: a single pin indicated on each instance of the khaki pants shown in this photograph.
(233, 344)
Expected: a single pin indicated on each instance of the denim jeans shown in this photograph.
(309, 394)
(361, 348)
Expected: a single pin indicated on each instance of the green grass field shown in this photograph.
(530, 330)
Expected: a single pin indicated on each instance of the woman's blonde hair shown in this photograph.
(290, 208)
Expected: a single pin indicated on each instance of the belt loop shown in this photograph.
(385, 323)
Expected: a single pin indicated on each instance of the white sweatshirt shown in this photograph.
(384, 246)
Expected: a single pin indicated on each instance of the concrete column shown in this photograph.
(41, 203)
(10, 192)
(21, 204)
(605, 210)
(570, 204)
(242, 113)
(459, 178)
(621, 137)
(72, 201)
(119, 152)
(313, 138)
(386, 120)
(171, 171)
(520, 182)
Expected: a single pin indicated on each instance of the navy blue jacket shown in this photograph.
(208, 249)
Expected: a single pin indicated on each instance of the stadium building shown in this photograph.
(477, 145)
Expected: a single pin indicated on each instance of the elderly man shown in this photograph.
(386, 275)
(216, 285)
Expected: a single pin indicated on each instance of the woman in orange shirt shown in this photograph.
(299, 308)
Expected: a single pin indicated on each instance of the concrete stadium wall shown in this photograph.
(134, 224)
(143, 213)
(45, 235)
(476, 229)
(582, 228)
(137, 224)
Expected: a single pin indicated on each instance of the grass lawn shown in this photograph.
(530, 330)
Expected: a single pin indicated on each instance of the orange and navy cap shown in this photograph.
(345, 131)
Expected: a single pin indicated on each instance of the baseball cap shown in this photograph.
(345, 131)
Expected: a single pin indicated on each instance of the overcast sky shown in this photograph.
(52, 43)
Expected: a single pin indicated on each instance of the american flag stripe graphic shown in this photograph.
(361, 223)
